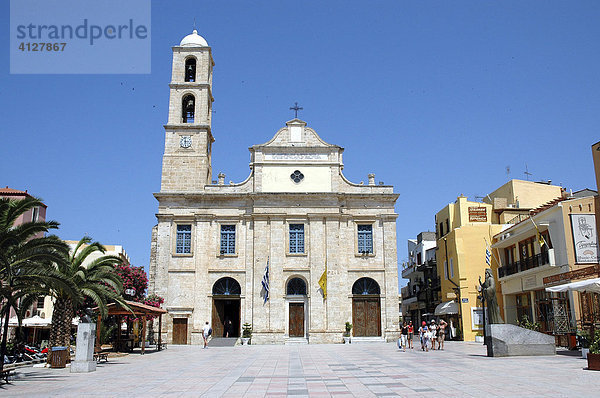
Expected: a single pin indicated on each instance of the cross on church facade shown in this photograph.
(296, 108)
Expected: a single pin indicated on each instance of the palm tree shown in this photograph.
(26, 261)
(97, 281)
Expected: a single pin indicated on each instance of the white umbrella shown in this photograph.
(12, 322)
(587, 286)
(36, 321)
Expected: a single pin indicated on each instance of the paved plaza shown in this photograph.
(360, 370)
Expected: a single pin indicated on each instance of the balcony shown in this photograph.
(408, 270)
(408, 292)
(527, 263)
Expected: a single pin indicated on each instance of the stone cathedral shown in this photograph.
(295, 212)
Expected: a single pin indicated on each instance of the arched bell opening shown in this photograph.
(190, 69)
(188, 108)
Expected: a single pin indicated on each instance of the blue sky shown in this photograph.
(434, 97)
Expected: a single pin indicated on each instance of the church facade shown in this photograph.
(295, 213)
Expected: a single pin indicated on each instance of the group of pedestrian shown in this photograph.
(406, 336)
(429, 335)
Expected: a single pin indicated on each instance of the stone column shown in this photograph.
(84, 356)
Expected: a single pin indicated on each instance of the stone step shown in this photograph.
(222, 342)
(362, 340)
(296, 341)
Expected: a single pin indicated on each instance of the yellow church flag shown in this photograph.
(323, 282)
(539, 236)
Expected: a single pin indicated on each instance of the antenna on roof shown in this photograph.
(194, 23)
(526, 172)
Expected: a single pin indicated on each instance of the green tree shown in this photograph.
(97, 281)
(26, 261)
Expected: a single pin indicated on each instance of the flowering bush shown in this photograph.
(133, 278)
(153, 300)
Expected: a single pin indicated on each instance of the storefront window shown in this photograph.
(523, 307)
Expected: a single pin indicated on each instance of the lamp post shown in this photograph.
(482, 298)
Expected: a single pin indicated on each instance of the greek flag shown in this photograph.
(265, 282)
(488, 256)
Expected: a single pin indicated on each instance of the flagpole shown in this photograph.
(540, 238)
(492, 252)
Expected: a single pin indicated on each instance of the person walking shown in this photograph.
(411, 334)
(404, 336)
(441, 334)
(206, 331)
(424, 335)
(227, 327)
(432, 334)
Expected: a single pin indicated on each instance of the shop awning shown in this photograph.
(447, 308)
(588, 286)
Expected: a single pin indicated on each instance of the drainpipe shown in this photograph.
(457, 289)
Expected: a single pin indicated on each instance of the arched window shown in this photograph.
(226, 287)
(296, 286)
(188, 105)
(365, 286)
(190, 70)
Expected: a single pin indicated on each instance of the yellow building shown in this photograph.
(567, 229)
(464, 229)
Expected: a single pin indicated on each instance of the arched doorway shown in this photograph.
(295, 292)
(226, 308)
(366, 308)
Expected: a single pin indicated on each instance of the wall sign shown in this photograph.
(477, 214)
(575, 274)
(583, 227)
(296, 156)
(477, 318)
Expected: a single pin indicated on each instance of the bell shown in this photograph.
(190, 104)
(190, 68)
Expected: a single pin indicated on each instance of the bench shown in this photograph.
(101, 356)
(6, 374)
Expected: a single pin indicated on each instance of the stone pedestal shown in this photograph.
(504, 340)
(84, 356)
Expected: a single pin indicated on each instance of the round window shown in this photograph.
(297, 176)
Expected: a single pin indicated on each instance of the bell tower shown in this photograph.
(188, 138)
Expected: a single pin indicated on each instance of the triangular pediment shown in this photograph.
(295, 134)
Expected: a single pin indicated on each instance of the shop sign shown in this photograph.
(575, 274)
(583, 227)
(477, 214)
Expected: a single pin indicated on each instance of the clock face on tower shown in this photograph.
(185, 141)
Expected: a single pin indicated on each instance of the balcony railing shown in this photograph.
(527, 263)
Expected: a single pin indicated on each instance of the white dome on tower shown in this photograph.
(193, 40)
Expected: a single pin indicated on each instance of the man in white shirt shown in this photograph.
(206, 331)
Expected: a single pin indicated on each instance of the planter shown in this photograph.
(245, 340)
(346, 340)
(584, 352)
(593, 361)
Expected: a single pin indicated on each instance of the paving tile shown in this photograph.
(315, 371)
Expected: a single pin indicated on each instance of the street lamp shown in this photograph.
(482, 298)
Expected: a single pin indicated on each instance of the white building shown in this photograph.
(527, 267)
(296, 212)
